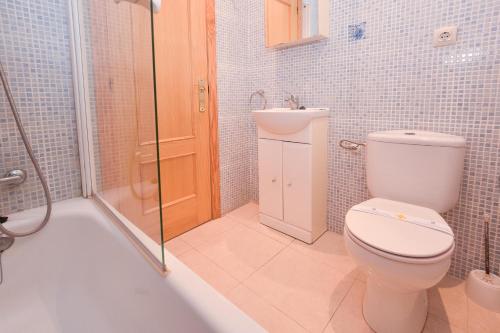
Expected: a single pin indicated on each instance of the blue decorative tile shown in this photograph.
(357, 31)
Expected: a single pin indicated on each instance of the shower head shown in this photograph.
(145, 3)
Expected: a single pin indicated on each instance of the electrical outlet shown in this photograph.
(445, 36)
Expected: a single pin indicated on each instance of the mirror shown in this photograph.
(295, 22)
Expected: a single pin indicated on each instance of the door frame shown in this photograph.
(82, 105)
(213, 108)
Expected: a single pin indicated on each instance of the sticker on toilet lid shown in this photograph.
(425, 223)
(400, 228)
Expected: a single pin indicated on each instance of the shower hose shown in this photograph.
(26, 142)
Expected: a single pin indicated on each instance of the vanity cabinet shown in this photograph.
(293, 181)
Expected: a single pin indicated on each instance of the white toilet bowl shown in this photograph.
(403, 260)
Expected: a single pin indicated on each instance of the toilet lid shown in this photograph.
(400, 228)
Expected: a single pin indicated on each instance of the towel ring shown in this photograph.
(351, 145)
(262, 95)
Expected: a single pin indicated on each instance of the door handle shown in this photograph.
(202, 89)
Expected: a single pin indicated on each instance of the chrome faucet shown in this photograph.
(293, 102)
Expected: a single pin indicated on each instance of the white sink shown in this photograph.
(287, 121)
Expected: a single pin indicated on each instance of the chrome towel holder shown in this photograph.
(262, 95)
(351, 145)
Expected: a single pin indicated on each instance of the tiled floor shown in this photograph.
(289, 286)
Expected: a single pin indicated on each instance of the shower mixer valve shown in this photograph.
(14, 178)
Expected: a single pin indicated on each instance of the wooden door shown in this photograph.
(184, 130)
(124, 97)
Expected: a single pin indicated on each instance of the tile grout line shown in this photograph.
(255, 270)
(240, 221)
(274, 307)
(211, 221)
(340, 304)
(236, 220)
(263, 299)
(267, 236)
(267, 261)
(272, 257)
(218, 266)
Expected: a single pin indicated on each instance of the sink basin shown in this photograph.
(287, 121)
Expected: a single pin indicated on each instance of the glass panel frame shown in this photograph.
(114, 60)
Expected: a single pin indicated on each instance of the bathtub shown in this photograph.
(80, 274)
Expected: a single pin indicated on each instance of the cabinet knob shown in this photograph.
(289, 184)
(274, 180)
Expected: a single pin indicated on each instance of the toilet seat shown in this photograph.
(397, 239)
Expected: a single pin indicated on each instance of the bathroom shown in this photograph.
(115, 95)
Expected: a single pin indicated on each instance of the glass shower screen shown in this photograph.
(118, 56)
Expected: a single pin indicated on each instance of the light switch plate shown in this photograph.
(445, 36)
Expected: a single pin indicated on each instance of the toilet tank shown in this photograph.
(417, 167)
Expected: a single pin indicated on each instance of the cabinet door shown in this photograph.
(297, 178)
(270, 178)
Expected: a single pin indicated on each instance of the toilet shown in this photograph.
(398, 235)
